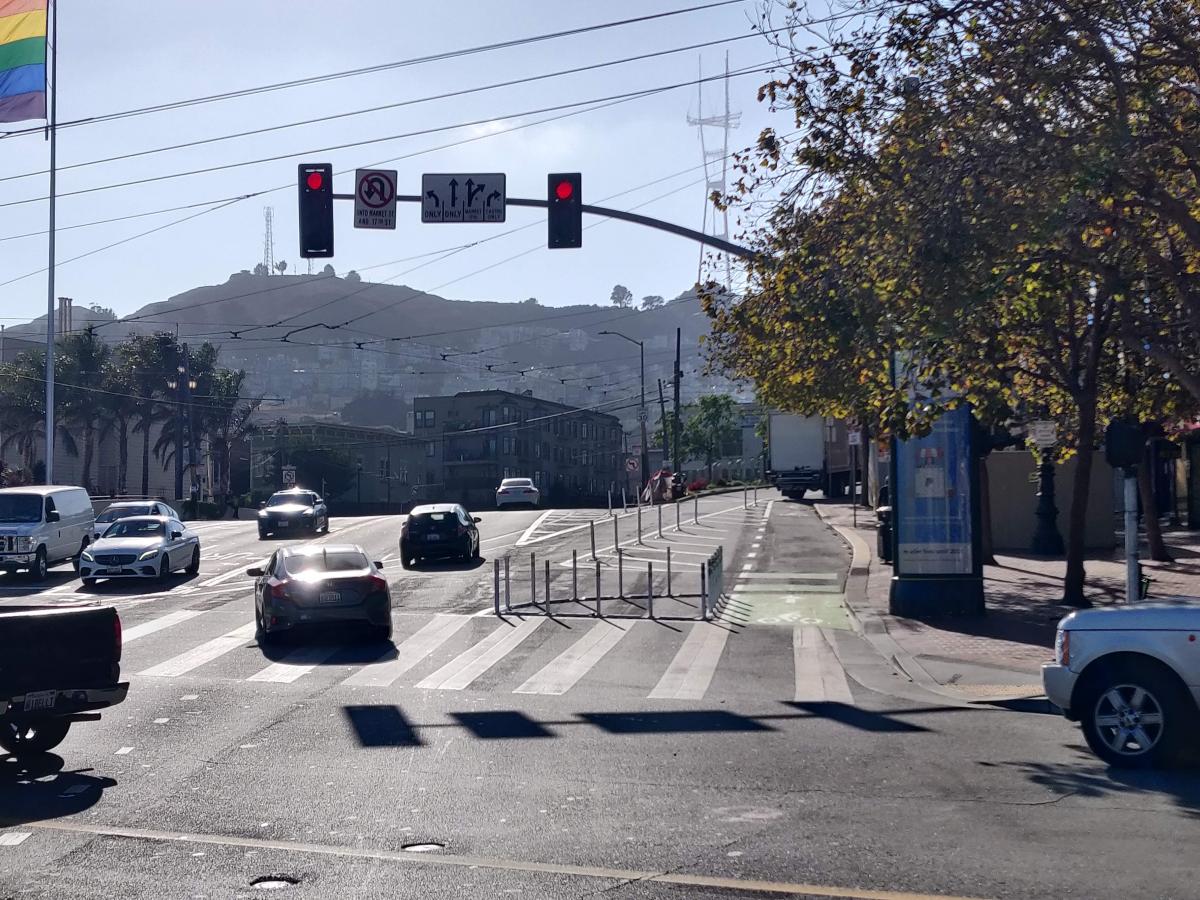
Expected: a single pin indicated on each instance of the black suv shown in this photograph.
(291, 511)
(438, 531)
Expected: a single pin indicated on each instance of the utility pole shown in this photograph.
(645, 460)
(675, 425)
(662, 412)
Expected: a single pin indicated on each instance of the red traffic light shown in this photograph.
(564, 190)
(315, 181)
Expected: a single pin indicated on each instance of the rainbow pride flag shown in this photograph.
(22, 60)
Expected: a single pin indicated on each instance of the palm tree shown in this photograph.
(84, 358)
(146, 357)
(23, 407)
(119, 404)
(227, 421)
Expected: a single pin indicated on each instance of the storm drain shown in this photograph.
(274, 882)
(423, 847)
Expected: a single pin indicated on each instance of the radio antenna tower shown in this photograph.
(268, 240)
(716, 165)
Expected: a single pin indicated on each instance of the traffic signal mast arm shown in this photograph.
(715, 242)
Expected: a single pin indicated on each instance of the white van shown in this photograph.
(43, 525)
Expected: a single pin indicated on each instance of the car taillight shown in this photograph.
(116, 637)
(376, 583)
(279, 590)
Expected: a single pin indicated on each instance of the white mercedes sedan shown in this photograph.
(141, 547)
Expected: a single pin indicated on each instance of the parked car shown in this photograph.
(141, 547)
(293, 510)
(58, 666)
(125, 508)
(43, 525)
(438, 531)
(1131, 677)
(313, 584)
(517, 492)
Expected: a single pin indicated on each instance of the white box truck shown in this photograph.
(807, 453)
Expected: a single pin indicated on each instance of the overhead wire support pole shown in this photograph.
(52, 134)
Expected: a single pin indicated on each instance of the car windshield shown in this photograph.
(325, 561)
(20, 508)
(122, 512)
(284, 498)
(127, 528)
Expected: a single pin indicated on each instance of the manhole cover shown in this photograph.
(274, 882)
(423, 847)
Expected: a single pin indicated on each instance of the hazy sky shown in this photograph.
(122, 54)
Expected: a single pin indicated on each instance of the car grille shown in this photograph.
(115, 559)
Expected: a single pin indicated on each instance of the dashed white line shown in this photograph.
(124, 751)
(13, 838)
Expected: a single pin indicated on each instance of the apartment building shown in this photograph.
(473, 439)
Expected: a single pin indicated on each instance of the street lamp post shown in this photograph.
(645, 460)
(1047, 540)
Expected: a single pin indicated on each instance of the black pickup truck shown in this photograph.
(58, 665)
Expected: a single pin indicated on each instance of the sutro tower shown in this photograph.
(268, 239)
(716, 165)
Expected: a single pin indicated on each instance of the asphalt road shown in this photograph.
(768, 753)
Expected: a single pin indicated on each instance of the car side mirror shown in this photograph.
(262, 504)
(176, 535)
(255, 572)
(378, 564)
(53, 516)
(476, 520)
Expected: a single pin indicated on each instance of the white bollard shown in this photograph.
(670, 593)
(696, 510)
(659, 507)
(610, 501)
(547, 598)
(616, 533)
(677, 515)
(599, 614)
(745, 498)
(532, 579)
(620, 573)
(639, 514)
(507, 588)
(704, 590)
(624, 501)
(496, 588)
(592, 535)
(650, 590)
(574, 575)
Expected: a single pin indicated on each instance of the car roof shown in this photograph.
(145, 519)
(505, 480)
(434, 508)
(295, 490)
(313, 549)
(44, 490)
(121, 504)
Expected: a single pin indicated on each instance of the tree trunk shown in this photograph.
(146, 459)
(985, 514)
(1154, 539)
(89, 449)
(1073, 583)
(122, 456)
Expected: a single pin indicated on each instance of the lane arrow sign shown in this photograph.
(432, 195)
(494, 195)
(453, 192)
(474, 189)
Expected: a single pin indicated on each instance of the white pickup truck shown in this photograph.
(1131, 677)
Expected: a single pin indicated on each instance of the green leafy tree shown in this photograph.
(84, 359)
(621, 297)
(653, 301)
(710, 426)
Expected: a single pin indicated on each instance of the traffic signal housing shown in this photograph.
(315, 185)
(564, 211)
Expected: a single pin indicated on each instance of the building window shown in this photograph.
(506, 413)
(506, 446)
(384, 469)
(537, 450)
(430, 448)
(424, 418)
(585, 457)
(489, 417)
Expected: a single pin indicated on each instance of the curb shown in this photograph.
(873, 626)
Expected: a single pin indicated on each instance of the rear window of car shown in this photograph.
(516, 482)
(433, 518)
(337, 561)
(124, 512)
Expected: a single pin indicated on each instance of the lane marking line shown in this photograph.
(767, 512)
(124, 751)
(469, 665)
(691, 671)
(490, 862)
(561, 673)
(129, 635)
(410, 652)
(795, 576)
(206, 652)
(14, 838)
(537, 523)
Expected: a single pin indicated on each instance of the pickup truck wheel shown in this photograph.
(1136, 716)
(33, 737)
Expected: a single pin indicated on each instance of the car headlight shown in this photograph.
(1062, 647)
(24, 544)
(307, 514)
(262, 513)
(87, 555)
(149, 554)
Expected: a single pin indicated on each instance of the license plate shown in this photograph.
(433, 537)
(40, 700)
(282, 524)
(330, 597)
(115, 570)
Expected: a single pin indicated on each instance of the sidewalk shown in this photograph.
(998, 655)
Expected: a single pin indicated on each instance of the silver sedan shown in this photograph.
(141, 547)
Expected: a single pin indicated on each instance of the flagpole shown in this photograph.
(53, 134)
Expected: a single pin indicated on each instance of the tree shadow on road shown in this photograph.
(37, 788)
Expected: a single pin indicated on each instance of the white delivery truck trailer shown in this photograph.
(807, 453)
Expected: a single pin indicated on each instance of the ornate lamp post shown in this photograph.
(1047, 541)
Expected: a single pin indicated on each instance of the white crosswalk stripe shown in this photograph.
(129, 635)
(298, 662)
(561, 673)
(206, 652)
(409, 652)
(692, 669)
(466, 667)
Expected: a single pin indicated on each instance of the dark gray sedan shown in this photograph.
(314, 585)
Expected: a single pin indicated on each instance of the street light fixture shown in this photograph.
(645, 461)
